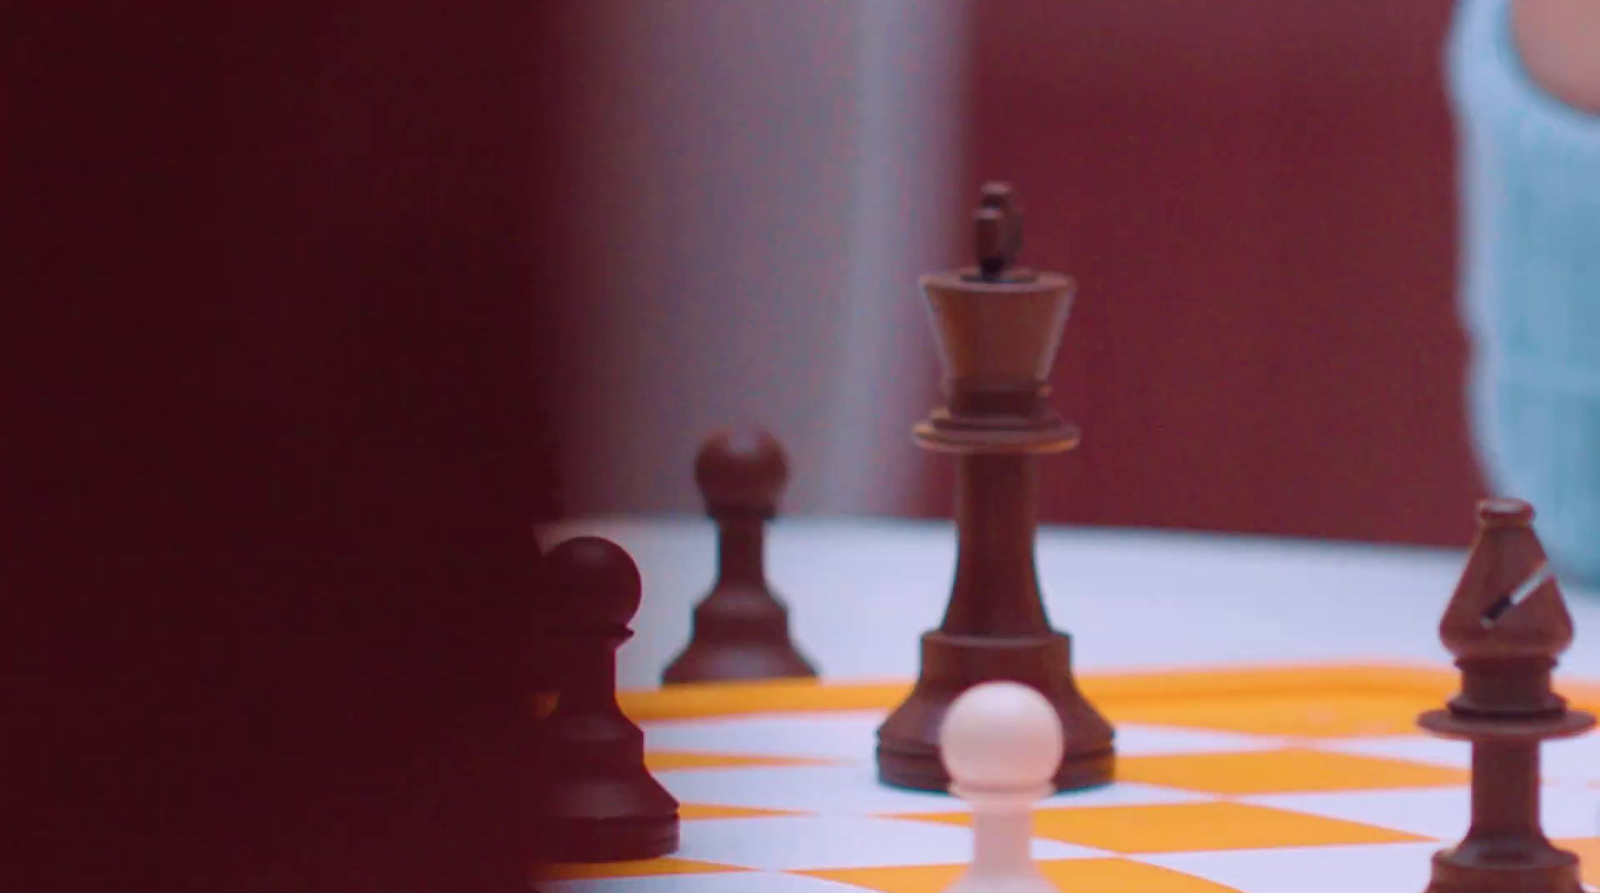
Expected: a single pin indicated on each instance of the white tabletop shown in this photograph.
(861, 592)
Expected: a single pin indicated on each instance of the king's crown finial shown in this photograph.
(997, 228)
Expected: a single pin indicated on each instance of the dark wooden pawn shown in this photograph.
(602, 804)
(741, 628)
(1506, 625)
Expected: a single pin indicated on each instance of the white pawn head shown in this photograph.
(1001, 736)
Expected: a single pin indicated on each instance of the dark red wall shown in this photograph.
(1258, 202)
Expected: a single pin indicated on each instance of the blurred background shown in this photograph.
(276, 431)
(1257, 199)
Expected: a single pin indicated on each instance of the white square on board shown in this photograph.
(1574, 760)
(854, 790)
(1440, 813)
(730, 882)
(841, 735)
(820, 842)
(1377, 868)
(1135, 740)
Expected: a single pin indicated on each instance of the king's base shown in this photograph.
(908, 741)
(1473, 869)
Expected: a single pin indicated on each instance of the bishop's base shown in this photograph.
(908, 741)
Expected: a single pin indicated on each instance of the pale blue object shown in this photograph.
(1530, 285)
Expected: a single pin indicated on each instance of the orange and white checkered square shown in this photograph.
(1279, 780)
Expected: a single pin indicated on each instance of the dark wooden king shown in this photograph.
(998, 327)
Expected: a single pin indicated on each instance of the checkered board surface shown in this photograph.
(1274, 780)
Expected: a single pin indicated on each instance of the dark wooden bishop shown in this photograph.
(998, 327)
(601, 803)
(741, 628)
(1506, 625)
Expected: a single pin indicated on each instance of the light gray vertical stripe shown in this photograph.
(906, 196)
(761, 185)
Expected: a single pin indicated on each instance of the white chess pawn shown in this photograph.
(1001, 742)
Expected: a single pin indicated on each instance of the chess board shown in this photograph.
(1297, 779)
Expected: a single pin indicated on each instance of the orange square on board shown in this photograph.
(1068, 874)
(1191, 827)
(661, 761)
(1588, 851)
(1310, 714)
(1289, 771)
(693, 811)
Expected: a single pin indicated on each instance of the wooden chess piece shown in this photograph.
(998, 327)
(601, 802)
(1506, 625)
(741, 628)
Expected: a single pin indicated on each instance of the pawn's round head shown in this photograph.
(596, 583)
(741, 468)
(1001, 736)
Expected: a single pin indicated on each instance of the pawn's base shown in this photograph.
(740, 633)
(593, 840)
(908, 741)
(706, 661)
(597, 800)
(1469, 869)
